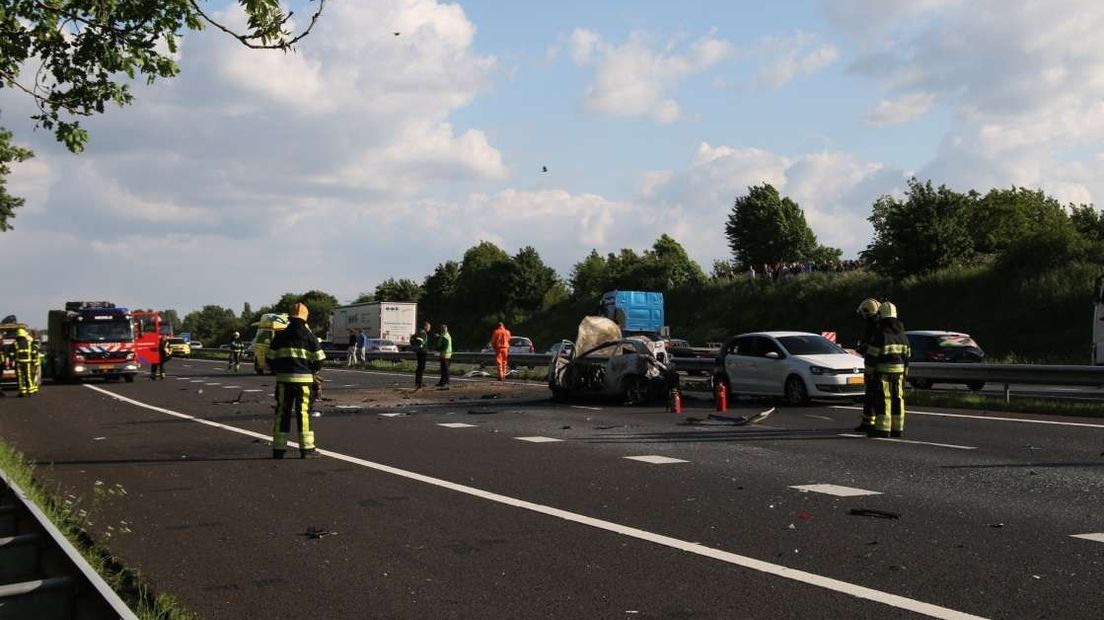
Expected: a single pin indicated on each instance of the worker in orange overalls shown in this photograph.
(500, 342)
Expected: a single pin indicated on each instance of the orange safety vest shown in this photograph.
(500, 338)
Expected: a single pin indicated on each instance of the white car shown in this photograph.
(519, 345)
(798, 366)
(381, 345)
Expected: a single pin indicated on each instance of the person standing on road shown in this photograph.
(25, 356)
(351, 360)
(419, 343)
(868, 312)
(444, 353)
(157, 369)
(500, 342)
(237, 348)
(362, 347)
(890, 346)
(295, 357)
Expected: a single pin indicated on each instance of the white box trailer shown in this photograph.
(395, 321)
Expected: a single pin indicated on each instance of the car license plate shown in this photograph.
(855, 380)
(107, 367)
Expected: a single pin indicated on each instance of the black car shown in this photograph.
(944, 347)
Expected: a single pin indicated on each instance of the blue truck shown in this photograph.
(636, 312)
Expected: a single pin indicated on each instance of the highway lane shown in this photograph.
(732, 493)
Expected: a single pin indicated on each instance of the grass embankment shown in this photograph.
(71, 516)
(994, 402)
(1042, 317)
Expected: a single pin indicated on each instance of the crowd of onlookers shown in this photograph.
(782, 270)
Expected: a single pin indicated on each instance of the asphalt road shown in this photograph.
(546, 510)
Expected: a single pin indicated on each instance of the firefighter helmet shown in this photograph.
(20, 333)
(300, 311)
(868, 307)
(887, 311)
(237, 335)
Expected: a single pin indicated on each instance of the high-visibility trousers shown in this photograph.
(872, 393)
(502, 357)
(25, 376)
(891, 404)
(293, 400)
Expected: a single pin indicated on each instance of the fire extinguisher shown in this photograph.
(722, 397)
(674, 402)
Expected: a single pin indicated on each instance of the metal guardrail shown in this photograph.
(42, 575)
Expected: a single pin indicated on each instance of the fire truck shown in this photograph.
(91, 339)
(148, 330)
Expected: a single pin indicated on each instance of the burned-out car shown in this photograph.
(625, 369)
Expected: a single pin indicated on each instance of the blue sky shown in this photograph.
(365, 156)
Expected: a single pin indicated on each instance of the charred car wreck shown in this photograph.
(610, 367)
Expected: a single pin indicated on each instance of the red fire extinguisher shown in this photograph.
(674, 402)
(722, 397)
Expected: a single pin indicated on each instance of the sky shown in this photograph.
(365, 155)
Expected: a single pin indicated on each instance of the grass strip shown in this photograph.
(995, 402)
(68, 518)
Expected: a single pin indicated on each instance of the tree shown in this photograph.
(211, 324)
(1005, 216)
(927, 231)
(398, 290)
(588, 277)
(364, 298)
(529, 282)
(764, 227)
(80, 55)
(667, 266)
(171, 318)
(439, 290)
(483, 271)
(723, 270)
(1088, 222)
(319, 306)
(825, 254)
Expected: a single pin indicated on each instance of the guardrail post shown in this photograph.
(1007, 393)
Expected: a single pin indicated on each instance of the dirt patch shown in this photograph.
(460, 392)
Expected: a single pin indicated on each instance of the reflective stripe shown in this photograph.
(891, 369)
(295, 378)
(895, 349)
(295, 353)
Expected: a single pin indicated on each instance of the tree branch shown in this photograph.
(248, 40)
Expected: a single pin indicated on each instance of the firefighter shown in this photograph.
(868, 312)
(157, 369)
(500, 342)
(237, 347)
(25, 356)
(295, 357)
(890, 347)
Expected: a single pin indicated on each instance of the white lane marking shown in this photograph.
(410, 375)
(455, 425)
(538, 439)
(834, 489)
(392, 415)
(230, 387)
(181, 378)
(655, 459)
(212, 384)
(349, 385)
(819, 417)
(991, 418)
(1098, 537)
(197, 381)
(912, 441)
(819, 581)
(587, 408)
(253, 390)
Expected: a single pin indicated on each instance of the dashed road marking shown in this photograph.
(212, 384)
(587, 408)
(197, 381)
(1098, 537)
(777, 570)
(392, 415)
(455, 425)
(253, 390)
(230, 387)
(655, 459)
(538, 439)
(349, 385)
(912, 441)
(989, 418)
(834, 489)
(819, 417)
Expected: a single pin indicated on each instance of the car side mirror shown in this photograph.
(773, 355)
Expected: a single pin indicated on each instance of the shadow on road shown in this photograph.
(720, 435)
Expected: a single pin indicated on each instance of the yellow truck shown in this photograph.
(266, 330)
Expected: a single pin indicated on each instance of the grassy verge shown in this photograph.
(70, 518)
(995, 402)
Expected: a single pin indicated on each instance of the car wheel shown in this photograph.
(921, 384)
(976, 385)
(796, 393)
(636, 391)
(128, 378)
(559, 394)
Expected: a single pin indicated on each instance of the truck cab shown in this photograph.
(92, 339)
(639, 313)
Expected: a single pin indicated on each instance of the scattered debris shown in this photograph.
(564, 428)
(607, 427)
(805, 516)
(314, 533)
(316, 414)
(349, 407)
(871, 512)
(996, 525)
(476, 373)
(483, 411)
(743, 420)
(490, 396)
(98, 438)
(896, 567)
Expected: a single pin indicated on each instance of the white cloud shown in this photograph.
(790, 57)
(637, 79)
(900, 110)
(1024, 84)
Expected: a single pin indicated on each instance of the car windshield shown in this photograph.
(519, 342)
(109, 331)
(956, 340)
(176, 341)
(809, 345)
